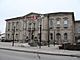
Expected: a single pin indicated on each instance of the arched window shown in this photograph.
(26, 37)
(17, 36)
(65, 36)
(51, 36)
(8, 36)
(58, 37)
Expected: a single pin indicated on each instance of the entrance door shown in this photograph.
(58, 37)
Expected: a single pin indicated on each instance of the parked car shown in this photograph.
(2, 39)
(69, 46)
(64, 46)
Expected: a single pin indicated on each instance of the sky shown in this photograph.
(16, 8)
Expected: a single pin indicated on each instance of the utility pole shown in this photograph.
(13, 35)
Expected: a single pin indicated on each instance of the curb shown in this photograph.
(41, 52)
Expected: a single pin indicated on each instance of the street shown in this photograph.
(13, 55)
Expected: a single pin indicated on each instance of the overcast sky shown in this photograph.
(15, 8)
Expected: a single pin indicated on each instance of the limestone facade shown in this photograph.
(77, 31)
(55, 27)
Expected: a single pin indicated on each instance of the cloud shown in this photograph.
(13, 8)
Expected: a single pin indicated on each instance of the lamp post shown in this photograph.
(54, 37)
(13, 35)
(41, 17)
(33, 29)
(48, 32)
(40, 35)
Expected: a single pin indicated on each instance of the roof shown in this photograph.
(21, 16)
(78, 21)
(40, 14)
(62, 13)
(14, 18)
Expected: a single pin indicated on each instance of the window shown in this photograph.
(12, 24)
(78, 30)
(17, 25)
(65, 36)
(36, 25)
(36, 40)
(9, 26)
(17, 36)
(29, 25)
(58, 37)
(32, 36)
(58, 22)
(26, 24)
(51, 24)
(38, 35)
(65, 22)
(8, 36)
(26, 37)
(51, 36)
(8, 29)
(33, 25)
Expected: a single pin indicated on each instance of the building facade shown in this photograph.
(77, 31)
(52, 27)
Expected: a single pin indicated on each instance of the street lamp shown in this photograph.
(33, 29)
(29, 30)
(48, 32)
(41, 17)
(13, 35)
(54, 37)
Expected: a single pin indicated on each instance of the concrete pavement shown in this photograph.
(52, 50)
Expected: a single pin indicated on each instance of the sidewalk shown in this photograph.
(52, 50)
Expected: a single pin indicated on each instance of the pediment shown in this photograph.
(32, 13)
(32, 16)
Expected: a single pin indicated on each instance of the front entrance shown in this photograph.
(58, 37)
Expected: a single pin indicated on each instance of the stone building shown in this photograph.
(56, 28)
(77, 31)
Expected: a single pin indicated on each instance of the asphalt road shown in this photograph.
(13, 55)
